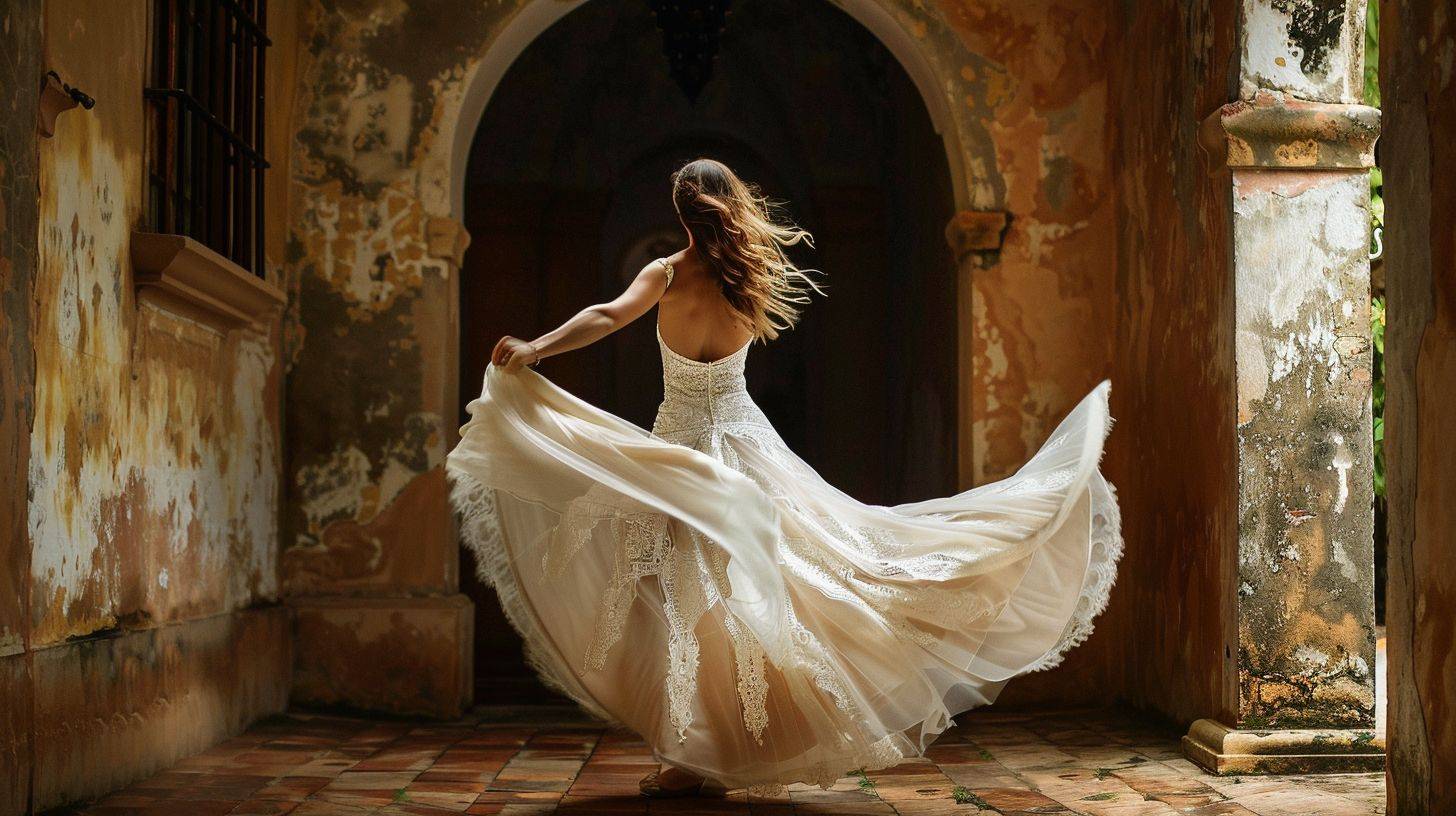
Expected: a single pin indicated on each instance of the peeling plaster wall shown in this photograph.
(1030, 81)
(1306, 578)
(152, 461)
(154, 457)
(1418, 90)
(1312, 49)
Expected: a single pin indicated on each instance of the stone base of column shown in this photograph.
(1227, 751)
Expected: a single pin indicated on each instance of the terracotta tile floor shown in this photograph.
(534, 761)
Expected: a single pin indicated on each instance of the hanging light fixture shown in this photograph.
(690, 33)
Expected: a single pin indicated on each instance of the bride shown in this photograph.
(704, 587)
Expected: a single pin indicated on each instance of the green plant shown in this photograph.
(965, 796)
(1377, 389)
(865, 783)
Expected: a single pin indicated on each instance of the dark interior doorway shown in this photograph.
(567, 196)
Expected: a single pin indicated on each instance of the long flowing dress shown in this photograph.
(703, 586)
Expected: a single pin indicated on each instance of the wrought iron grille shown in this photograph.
(205, 125)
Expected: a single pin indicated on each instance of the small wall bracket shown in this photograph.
(56, 97)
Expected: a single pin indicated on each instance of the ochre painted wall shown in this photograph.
(148, 561)
(1042, 307)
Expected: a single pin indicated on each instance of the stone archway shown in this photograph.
(369, 557)
(926, 54)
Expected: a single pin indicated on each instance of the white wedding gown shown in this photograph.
(704, 587)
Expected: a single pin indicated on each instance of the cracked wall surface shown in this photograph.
(1306, 562)
(143, 625)
(154, 454)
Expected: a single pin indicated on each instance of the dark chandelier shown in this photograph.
(690, 32)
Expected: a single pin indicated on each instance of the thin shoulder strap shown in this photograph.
(667, 267)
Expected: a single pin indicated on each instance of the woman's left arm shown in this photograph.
(589, 325)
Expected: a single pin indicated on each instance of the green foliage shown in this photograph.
(1372, 98)
(1377, 389)
(1377, 226)
(1372, 53)
(965, 796)
(865, 783)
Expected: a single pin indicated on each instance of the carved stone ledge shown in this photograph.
(446, 238)
(1227, 751)
(975, 231)
(183, 276)
(1274, 130)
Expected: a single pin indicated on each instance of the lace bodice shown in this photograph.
(700, 397)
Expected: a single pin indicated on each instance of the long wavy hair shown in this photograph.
(742, 235)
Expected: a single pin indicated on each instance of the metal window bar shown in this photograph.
(206, 125)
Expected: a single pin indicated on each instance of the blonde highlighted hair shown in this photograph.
(741, 235)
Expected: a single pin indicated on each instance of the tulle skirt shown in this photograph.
(754, 624)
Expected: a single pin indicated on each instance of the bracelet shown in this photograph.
(535, 352)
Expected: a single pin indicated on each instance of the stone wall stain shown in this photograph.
(1041, 310)
(154, 462)
(1306, 611)
(1307, 48)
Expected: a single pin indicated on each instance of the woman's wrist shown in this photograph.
(535, 352)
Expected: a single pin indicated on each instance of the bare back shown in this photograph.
(694, 318)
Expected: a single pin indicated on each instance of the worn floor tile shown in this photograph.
(518, 763)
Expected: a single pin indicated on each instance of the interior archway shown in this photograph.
(566, 193)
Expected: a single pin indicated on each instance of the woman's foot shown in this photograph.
(670, 783)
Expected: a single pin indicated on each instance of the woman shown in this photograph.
(704, 587)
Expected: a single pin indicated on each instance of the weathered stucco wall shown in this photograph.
(1031, 79)
(1306, 563)
(371, 347)
(154, 456)
(1418, 91)
(1302, 360)
(150, 527)
(1169, 629)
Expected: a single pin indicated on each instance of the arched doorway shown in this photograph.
(565, 194)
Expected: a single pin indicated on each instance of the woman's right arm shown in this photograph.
(587, 326)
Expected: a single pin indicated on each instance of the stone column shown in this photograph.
(379, 621)
(1298, 147)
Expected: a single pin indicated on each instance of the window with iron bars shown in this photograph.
(205, 125)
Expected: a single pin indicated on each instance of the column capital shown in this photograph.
(1277, 131)
(446, 239)
(975, 231)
